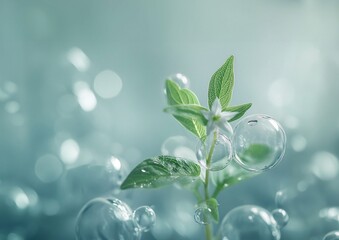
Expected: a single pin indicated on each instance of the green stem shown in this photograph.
(208, 227)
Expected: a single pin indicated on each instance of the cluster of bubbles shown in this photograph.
(257, 145)
(111, 218)
(250, 222)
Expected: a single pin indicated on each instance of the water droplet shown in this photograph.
(332, 236)
(222, 153)
(259, 143)
(203, 215)
(249, 222)
(106, 218)
(280, 216)
(145, 217)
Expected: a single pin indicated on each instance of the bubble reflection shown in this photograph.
(79, 59)
(86, 97)
(48, 168)
(325, 166)
(69, 151)
(107, 84)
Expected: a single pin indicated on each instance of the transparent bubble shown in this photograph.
(179, 146)
(280, 216)
(203, 215)
(144, 217)
(222, 151)
(334, 235)
(180, 79)
(259, 143)
(106, 218)
(249, 222)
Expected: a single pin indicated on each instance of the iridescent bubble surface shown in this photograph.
(216, 147)
(106, 218)
(249, 222)
(144, 217)
(332, 236)
(259, 143)
(203, 215)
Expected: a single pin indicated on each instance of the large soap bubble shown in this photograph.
(249, 222)
(106, 218)
(259, 143)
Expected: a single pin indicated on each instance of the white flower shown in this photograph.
(218, 119)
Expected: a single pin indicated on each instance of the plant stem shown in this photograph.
(208, 227)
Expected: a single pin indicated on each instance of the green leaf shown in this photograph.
(188, 111)
(160, 171)
(212, 204)
(256, 153)
(221, 84)
(178, 96)
(241, 109)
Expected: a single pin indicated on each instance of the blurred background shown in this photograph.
(81, 83)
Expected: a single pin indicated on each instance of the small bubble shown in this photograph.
(332, 236)
(203, 215)
(221, 154)
(145, 217)
(280, 216)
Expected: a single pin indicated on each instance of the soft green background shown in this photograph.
(286, 64)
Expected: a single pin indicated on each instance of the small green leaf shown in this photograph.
(256, 153)
(178, 96)
(188, 111)
(160, 171)
(212, 204)
(241, 109)
(221, 84)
